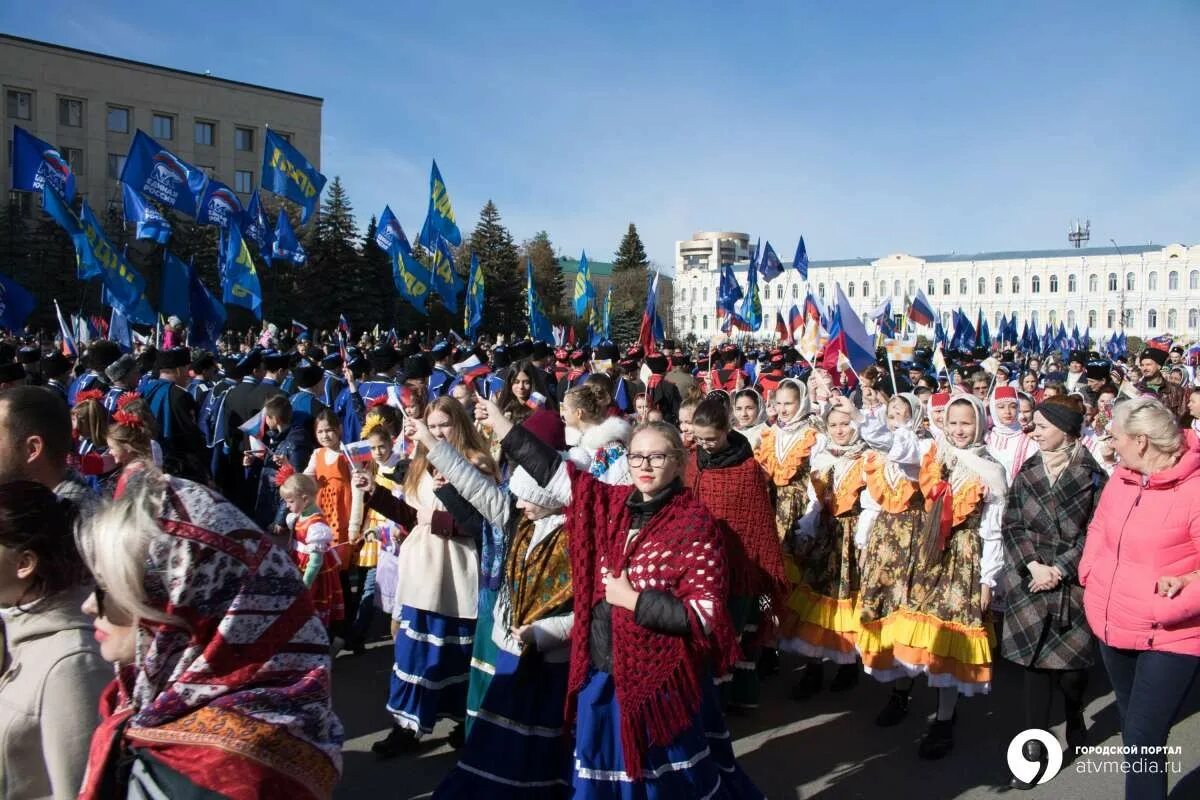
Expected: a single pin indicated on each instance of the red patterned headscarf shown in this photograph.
(236, 695)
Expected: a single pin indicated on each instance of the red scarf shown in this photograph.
(658, 677)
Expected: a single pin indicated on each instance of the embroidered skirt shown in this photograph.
(940, 629)
(698, 764)
(820, 620)
(429, 676)
(516, 749)
(483, 655)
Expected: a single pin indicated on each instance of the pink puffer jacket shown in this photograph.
(1142, 530)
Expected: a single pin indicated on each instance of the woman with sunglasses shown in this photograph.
(51, 672)
(222, 686)
(651, 579)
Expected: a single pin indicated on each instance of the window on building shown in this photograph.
(1152, 319)
(1070, 319)
(999, 285)
(999, 317)
(1172, 319)
(896, 288)
(287, 137)
(243, 139)
(821, 290)
(795, 291)
(705, 318)
(1193, 318)
(1129, 316)
(1072, 283)
(1053, 317)
(1035, 284)
(929, 286)
(1033, 318)
(117, 120)
(1054, 284)
(206, 133)
(1093, 283)
(70, 112)
(1112, 281)
(693, 295)
(981, 287)
(693, 323)
(705, 294)
(1173, 281)
(1092, 318)
(1152, 281)
(882, 288)
(1111, 319)
(1194, 279)
(945, 286)
(1016, 284)
(209, 171)
(116, 165)
(20, 104)
(850, 289)
(164, 126)
(866, 289)
(912, 288)
(962, 285)
(243, 181)
(74, 157)
(1129, 281)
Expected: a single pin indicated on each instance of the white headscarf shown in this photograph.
(972, 460)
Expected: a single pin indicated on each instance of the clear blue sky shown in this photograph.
(868, 127)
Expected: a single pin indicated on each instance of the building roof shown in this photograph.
(1003, 255)
(598, 269)
(131, 62)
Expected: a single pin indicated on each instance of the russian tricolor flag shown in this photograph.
(921, 311)
(848, 337)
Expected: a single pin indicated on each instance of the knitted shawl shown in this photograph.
(659, 678)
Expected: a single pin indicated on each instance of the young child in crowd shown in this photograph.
(312, 546)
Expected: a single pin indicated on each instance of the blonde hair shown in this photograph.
(1146, 416)
(92, 421)
(298, 485)
(115, 543)
(589, 400)
(463, 435)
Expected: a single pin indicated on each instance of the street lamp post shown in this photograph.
(1121, 283)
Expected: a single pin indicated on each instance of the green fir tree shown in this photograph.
(629, 287)
(547, 276)
(504, 305)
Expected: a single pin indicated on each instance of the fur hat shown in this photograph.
(524, 487)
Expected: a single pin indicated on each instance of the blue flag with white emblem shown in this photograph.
(37, 164)
(155, 171)
(218, 206)
(150, 224)
(285, 246)
(388, 230)
(439, 221)
(16, 304)
(287, 173)
(769, 265)
(256, 225)
(239, 277)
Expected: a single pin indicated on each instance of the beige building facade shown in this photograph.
(90, 106)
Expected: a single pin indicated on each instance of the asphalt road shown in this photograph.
(827, 747)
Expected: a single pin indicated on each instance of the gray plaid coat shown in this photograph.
(1048, 524)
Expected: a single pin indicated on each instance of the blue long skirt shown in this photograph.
(516, 749)
(698, 764)
(483, 655)
(429, 674)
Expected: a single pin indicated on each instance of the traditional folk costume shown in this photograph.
(784, 451)
(435, 606)
(1008, 444)
(516, 745)
(821, 620)
(735, 490)
(319, 565)
(335, 495)
(236, 705)
(754, 431)
(647, 720)
(601, 449)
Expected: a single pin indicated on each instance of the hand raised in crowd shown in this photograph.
(361, 480)
(351, 384)
(494, 418)
(416, 430)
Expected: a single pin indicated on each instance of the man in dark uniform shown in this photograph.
(100, 354)
(382, 381)
(442, 375)
(210, 420)
(306, 405)
(122, 377)
(56, 368)
(12, 374)
(30, 358)
(275, 364)
(175, 412)
(238, 406)
(1154, 382)
(204, 375)
(332, 383)
(539, 359)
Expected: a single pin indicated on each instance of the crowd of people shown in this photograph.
(588, 556)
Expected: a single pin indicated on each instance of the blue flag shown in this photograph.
(439, 221)
(208, 314)
(285, 246)
(769, 265)
(176, 283)
(287, 173)
(749, 314)
(239, 278)
(539, 323)
(728, 293)
(155, 171)
(54, 205)
(16, 304)
(388, 230)
(120, 332)
(445, 281)
(37, 164)
(585, 293)
(125, 286)
(473, 313)
(800, 260)
(219, 206)
(150, 224)
(410, 276)
(256, 225)
(606, 325)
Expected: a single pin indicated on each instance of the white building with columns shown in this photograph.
(1156, 288)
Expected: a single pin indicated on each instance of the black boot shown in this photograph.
(1076, 734)
(809, 683)
(895, 711)
(399, 740)
(458, 736)
(938, 740)
(845, 679)
(768, 662)
(1033, 751)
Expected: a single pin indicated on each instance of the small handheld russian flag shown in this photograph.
(357, 452)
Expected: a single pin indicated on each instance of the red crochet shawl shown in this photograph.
(658, 678)
(739, 498)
